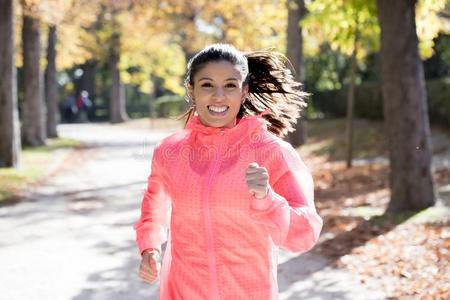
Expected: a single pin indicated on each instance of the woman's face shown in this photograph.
(218, 92)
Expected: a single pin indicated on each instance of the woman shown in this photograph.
(230, 189)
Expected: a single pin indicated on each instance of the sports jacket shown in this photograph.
(223, 242)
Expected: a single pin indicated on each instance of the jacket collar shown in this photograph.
(245, 128)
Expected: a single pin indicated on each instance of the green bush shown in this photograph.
(369, 104)
(438, 92)
(169, 106)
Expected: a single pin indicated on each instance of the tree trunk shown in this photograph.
(294, 52)
(34, 110)
(51, 85)
(9, 116)
(405, 109)
(351, 98)
(117, 103)
(350, 101)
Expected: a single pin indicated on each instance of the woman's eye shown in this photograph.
(206, 85)
(230, 86)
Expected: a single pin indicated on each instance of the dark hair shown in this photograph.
(271, 84)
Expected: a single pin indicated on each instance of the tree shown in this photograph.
(9, 118)
(405, 108)
(51, 84)
(173, 31)
(351, 27)
(130, 60)
(117, 101)
(53, 14)
(294, 52)
(248, 25)
(180, 18)
(34, 131)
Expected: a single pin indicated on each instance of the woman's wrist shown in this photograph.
(264, 202)
(151, 251)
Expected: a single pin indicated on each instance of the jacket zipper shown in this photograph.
(209, 234)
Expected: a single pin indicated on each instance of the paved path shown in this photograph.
(73, 238)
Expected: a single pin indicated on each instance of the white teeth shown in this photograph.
(218, 108)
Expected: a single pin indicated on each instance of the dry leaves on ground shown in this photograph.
(409, 259)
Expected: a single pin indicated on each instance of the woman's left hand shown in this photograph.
(257, 180)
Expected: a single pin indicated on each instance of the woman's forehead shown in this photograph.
(220, 70)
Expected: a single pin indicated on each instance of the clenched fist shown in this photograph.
(257, 180)
(150, 267)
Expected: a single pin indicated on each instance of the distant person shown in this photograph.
(83, 104)
(229, 187)
(70, 109)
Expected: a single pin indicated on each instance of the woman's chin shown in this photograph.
(219, 123)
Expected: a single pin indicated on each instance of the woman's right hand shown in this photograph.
(150, 267)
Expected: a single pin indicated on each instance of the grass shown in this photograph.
(328, 138)
(435, 214)
(53, 144)
(35, 163)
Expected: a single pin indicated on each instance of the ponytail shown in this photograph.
(272, 85)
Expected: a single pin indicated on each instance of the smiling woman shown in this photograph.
(230, 189)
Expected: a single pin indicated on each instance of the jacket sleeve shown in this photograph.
(151, 228)
(288, 212)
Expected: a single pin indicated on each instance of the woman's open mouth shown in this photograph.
(218, 110)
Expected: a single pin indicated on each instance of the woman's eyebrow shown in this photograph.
(207, 78)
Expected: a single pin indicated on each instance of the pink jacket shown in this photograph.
(223, 242)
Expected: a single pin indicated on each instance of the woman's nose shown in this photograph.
(219, 93)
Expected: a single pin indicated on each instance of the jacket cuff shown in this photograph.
(262, 203)
(145, 244)
(151, 250)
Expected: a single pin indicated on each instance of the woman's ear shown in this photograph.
(244, 93)
(190, 91)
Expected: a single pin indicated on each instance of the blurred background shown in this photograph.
(87, 88)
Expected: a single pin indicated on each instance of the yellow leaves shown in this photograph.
(71, 46)
(30, 7)
(49, 11)
(337, 22)
(169, 64)
(156, 56)
(146, 87)
(53, 11)
(247, 25)
(173, 84)
(428, 24)
(157, 34)
(71, 17)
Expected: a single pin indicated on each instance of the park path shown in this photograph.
(72, 237)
